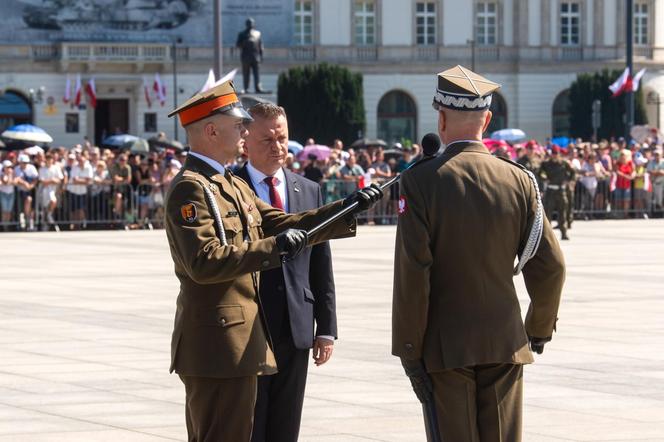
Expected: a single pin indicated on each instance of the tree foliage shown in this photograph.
(323, 102)
(589, 87)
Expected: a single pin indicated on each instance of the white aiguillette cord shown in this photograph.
(535, 231)
(215, 212)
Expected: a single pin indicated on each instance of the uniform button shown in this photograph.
(222, 321)
(409, 346)
(280, 288)
(266, 263)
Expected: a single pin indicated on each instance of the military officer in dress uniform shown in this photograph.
(220, 236)
(558, 174)
(457, 327)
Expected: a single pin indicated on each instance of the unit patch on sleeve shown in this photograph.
(188, 212)
(403, 206)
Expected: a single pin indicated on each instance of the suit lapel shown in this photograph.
(293, 190)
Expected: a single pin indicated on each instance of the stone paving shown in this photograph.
(86, 317)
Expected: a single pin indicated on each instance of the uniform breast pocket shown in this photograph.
(224, 315)
(232, 227)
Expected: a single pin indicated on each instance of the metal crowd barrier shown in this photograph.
(125, 207)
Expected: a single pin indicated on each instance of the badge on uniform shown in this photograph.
(188, 212)
(402, 205)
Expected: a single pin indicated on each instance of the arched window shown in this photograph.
(499, 111)
(397, 117)
(14, 109)
(560, 115)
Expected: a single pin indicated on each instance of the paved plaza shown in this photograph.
(86, 319)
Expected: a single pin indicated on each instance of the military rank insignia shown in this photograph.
(403, 206)
(188, 212)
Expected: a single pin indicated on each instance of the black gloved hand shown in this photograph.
(537, 344)
(419, 378)
(291, 242)
(365, 198)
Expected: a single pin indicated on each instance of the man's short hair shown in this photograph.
(267, 111)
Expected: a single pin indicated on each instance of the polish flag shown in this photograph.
(622, 84)
(67, 96)
(77, 91)
(209, 83)
(146, 93)
(637, 79)
(159, 88)
(91, 90)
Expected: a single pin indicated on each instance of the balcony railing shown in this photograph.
(113, 52)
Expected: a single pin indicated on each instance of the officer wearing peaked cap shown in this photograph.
(457, 327)
(221, 235)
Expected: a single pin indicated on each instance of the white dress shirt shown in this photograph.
(263, 190)
(216, 165)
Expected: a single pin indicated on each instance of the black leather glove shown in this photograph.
(419, 378)
(537, 344)
(365, 198)
(291, 242)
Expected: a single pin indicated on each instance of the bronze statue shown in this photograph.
(250, 43)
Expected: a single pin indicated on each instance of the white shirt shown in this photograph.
(216, 165)
(80, 172)
(48, 173)
(263, 190)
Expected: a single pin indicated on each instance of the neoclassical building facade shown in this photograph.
(534, 48)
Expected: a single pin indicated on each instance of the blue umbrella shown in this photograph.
(560, 141)
(28, 133)
(294, 147)
(126, 141)
(509, 135)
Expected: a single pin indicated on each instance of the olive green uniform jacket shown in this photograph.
(462, 223)
(219, 331)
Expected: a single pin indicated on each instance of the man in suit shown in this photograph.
(220, 236)
(295, 295)
(457, 327)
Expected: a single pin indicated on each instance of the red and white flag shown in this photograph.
(159, 88)
(622, 84)
(91, 91)
(146, 93)
(67, 96)
(209, 83)
(637, 79)
(77, 91)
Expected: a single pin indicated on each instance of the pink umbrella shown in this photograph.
(318, 150)
(494, 145)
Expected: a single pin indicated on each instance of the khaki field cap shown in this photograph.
(220, 99)
(462, 89)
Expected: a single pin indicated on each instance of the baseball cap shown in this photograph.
(23, 158)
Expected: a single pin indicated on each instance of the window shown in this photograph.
(640, 23)
(304, 22)
(425, 23)
(486, 23)
(71, 123)
(397, 117)
(14, 109)
(560, 115)
(570, 16)
(150, 122)
(365, 22)
(499, 110)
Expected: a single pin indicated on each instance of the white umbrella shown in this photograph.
(27, 133)
(34, 150)
(509, 135)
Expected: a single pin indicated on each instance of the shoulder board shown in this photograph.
(514, 163)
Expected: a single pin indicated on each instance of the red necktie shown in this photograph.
(275, 198)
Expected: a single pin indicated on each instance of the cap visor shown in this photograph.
(239, 112)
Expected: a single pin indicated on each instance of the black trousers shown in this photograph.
(278, 410)
(253, 66)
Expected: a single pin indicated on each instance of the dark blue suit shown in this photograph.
(293, 297)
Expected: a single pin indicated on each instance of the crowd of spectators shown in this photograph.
(87, 186)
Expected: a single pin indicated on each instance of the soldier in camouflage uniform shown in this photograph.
(558, 173)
